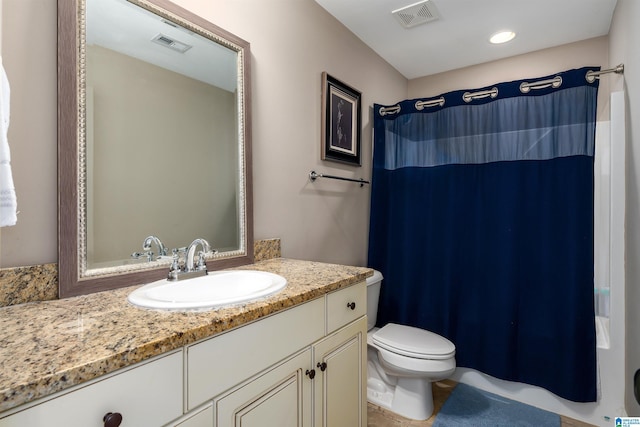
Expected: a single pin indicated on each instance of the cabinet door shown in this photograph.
(226, 360)
(280, 397)
(340, 397)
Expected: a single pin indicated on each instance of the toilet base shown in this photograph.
(379, 394)
(413, 398)
(410, 398)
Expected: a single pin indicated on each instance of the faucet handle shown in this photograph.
(176, 252)
(175, 269)
(138, 255)
(202, 262)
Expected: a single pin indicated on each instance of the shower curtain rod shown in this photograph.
(525, 87)
(313, 175)
(592, 75)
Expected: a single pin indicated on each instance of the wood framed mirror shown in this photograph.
(154, 139)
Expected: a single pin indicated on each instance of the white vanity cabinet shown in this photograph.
(300, 368)
(320, 386)
(147, 394)
(225, 362)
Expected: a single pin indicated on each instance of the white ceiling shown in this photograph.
(126, 28)
(460, 37)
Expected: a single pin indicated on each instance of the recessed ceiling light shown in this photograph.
(502, 37)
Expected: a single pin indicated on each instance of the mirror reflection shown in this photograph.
(161, 135)
(154, 122)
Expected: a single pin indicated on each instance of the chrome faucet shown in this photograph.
(146, 245)
(190, 268)
(190, 264)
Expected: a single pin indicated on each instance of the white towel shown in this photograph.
(8, 203)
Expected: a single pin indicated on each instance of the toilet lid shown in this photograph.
(414, 342)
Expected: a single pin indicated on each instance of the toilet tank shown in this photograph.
(373, 293)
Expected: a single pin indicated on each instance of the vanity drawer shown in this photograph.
(346, 305)
(222, 362)
(149, 394)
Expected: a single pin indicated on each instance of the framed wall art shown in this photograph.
(341, 121)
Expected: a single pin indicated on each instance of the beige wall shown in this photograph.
(29, 57)
(624, 44)
(591, 52)
(154, 139)
(292, 43)
(3, 67)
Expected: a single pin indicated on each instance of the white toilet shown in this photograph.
(403, 361)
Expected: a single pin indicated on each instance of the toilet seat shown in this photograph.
(413, 342)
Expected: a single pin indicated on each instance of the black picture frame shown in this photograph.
(341, 121)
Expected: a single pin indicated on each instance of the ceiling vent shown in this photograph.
(416, 14)
(171, 43)
(169, 23)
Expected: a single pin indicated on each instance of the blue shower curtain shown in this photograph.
(482, 225)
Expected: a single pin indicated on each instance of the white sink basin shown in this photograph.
(217, 289)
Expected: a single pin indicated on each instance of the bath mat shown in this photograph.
(470, 407)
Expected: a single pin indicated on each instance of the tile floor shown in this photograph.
(379, 417)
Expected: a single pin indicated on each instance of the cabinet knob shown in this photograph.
(311, 373)
(112, 419)
(351, 305)
(322, 366)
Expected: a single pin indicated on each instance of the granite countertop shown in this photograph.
(49, 346)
